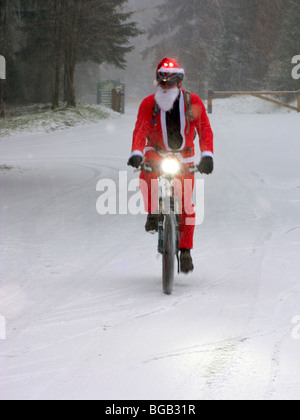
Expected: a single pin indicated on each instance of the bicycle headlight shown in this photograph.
(170, 166)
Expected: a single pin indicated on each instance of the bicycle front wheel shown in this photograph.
(169, 253)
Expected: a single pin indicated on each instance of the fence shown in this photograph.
(111, 94)
(257, 94)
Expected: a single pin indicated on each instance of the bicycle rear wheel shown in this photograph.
(169, 253)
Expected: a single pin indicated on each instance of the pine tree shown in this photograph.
(10, 41)
(98, 31)
(234, 59)
(186, 31)
(241, 57)
(58, 34)
(36, 52)
(288, 46)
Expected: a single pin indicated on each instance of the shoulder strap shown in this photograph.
(156, 110)
(188, 102)
(189, 112)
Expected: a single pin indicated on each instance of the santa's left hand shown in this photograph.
(206, 166)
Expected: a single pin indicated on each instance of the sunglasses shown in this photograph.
(169, 79)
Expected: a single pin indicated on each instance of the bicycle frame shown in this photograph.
(168, 204)
(168, 223)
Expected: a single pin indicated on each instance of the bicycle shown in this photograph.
(169, 217)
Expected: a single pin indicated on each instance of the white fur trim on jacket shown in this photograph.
(182, 124)
(137, 153)
(204, 154)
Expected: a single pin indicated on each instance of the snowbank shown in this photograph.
(240, 104)
(41, 119)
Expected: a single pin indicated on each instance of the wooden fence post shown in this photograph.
(210, 101)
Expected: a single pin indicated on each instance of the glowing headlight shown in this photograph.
(170, 166)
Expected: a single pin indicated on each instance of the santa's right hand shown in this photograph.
(135, 161)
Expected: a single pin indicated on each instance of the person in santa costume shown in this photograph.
(165, 126)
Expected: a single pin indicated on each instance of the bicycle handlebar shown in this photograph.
(148, 168)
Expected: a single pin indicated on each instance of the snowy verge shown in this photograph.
(40, 118)
(246, 104)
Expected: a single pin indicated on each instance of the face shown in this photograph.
(167, 80)
(165, 87)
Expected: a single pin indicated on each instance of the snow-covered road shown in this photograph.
(81, 293)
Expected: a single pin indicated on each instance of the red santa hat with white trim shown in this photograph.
(169, 65)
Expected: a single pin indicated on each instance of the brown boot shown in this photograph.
(152, 223)
(186, 262)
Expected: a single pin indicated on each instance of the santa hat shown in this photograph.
(169, 65)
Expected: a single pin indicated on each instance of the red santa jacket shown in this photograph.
(149, 137)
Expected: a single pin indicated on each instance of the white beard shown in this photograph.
(166, 98)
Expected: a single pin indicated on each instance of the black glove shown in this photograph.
(135, 161)
(206, 166)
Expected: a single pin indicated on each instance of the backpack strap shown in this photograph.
(189, 112)
(156, 110)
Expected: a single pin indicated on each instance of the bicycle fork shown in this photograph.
(173, 207)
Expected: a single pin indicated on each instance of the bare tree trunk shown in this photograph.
(71, 100)
(69, 75)
(58, 9)
(73, 26)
